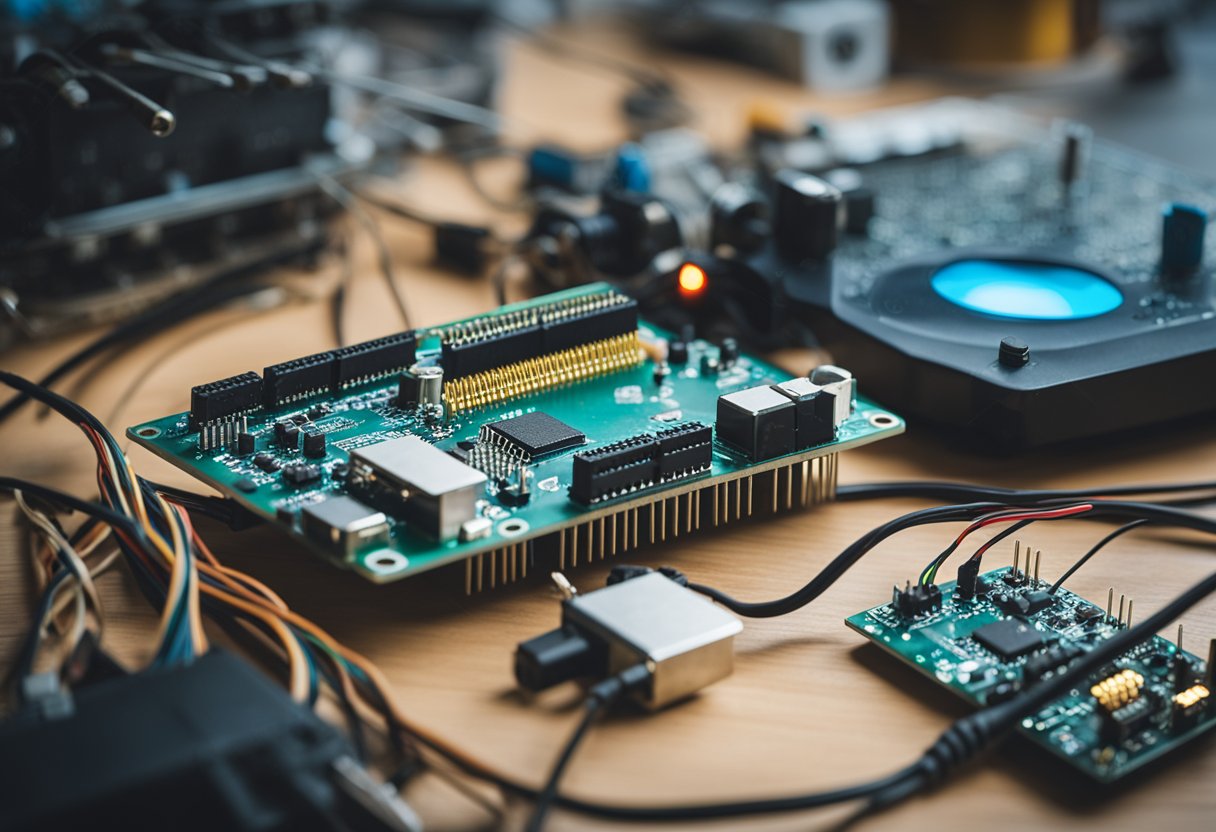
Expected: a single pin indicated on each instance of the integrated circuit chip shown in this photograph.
(1009, 638)
(537, 434)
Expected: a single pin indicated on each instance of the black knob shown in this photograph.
(1013, 353)
(1182, 232)
(739, 218)
(807, 216)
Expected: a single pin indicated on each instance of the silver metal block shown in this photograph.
(686, 641)
(345, 526)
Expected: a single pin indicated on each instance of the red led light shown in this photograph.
(692, 279)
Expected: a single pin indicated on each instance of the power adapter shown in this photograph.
(684, 640)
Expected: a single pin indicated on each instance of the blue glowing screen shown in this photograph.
(1026, 290)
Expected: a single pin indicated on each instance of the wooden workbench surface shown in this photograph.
(808, 706)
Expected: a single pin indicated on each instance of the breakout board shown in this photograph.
(550, 432)
(1013, 632)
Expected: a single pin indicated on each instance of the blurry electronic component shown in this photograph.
(958, 33)
(823, 44)
(548, 447)
(985, 248)
(215, 735)
(104, 213)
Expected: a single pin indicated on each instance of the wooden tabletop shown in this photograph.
(808, 707)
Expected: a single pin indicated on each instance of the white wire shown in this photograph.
(83, 582)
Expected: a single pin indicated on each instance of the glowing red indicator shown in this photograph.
(691, 278)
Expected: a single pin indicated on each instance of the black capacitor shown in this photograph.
(245, 443)
(739, 218)
(728, 351)
(287, 435)
(314, 445)
(807, 216)
(1182, 232)
(858, 199)
(677, 352)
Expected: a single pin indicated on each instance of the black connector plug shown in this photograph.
(560, 655)
(465, 248)
(968, 584)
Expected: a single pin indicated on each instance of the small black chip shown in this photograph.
(1088, 614)
(245, 484)
(537, 434)
(301, 474)
(1009, 638)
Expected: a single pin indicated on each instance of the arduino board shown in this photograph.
(1013, 632)
(550, 432)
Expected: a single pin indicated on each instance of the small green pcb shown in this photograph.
(1013, 633)
(553, 429)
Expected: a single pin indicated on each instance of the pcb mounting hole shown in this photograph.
(883, 420)
(386, 562)
(149, 433)
(513, 527)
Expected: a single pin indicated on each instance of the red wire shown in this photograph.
(1048, 514)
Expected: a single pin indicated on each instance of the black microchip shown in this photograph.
(538, 433)
(1009, 638)
(301, 474)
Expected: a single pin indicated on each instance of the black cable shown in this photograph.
(337, 301)
(399, 210)
(599, 698)
(967, 492)
(1123, 510)
(346, 198)
(1005, 533)
(842, 562)
(1068, 573)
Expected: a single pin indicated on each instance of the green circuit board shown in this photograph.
(641, 399)
(952, 646)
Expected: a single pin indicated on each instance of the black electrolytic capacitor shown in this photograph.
(1182, 232)
(807, 216)
(245, 443)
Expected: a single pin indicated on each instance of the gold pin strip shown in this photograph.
(544, 372)
(796, 485)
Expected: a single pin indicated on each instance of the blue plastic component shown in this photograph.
(552, 166)
(632, 169)
(1026, 290)
(1182, 231)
